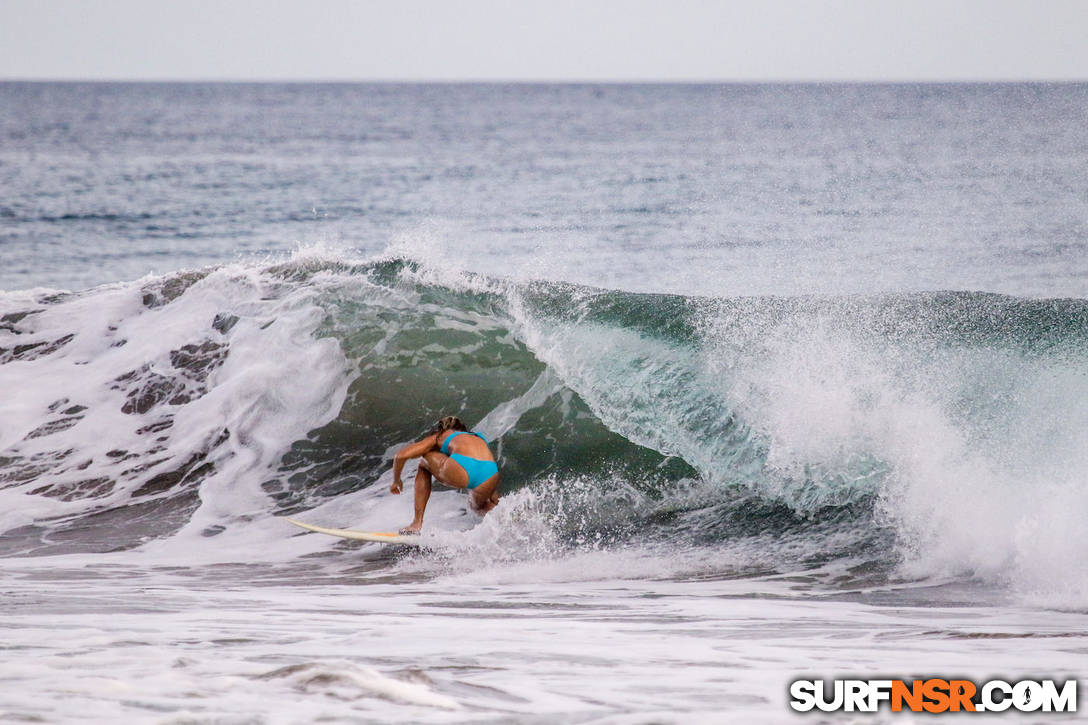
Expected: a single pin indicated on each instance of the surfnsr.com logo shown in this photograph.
(933, 695)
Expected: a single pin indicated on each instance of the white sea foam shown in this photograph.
(241, 418)
(171, 645)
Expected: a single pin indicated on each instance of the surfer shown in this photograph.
(454, 456)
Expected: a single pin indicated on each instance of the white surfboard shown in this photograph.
(382, 537)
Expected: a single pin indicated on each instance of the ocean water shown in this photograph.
(785, 382)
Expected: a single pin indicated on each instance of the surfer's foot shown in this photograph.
(411, 529)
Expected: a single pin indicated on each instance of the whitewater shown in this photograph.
(736, 450)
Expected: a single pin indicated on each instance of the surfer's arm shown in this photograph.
(412, 450)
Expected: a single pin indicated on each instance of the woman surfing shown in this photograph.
(454, 456)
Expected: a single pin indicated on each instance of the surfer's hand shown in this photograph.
(397, 486)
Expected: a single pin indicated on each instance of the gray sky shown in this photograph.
(546, 40)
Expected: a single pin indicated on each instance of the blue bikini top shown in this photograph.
(446, 443)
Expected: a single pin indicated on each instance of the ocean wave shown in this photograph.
(929, 434)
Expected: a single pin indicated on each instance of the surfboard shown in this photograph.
(382, 537)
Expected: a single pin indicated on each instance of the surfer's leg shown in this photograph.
(422, 494)
(485, 497)
(446, 471)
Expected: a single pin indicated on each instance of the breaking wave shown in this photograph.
(918, 436)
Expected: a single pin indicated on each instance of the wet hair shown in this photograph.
(450, 422)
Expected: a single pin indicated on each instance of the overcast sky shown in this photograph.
(545, 40)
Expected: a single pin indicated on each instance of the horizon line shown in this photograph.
(558, 81)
